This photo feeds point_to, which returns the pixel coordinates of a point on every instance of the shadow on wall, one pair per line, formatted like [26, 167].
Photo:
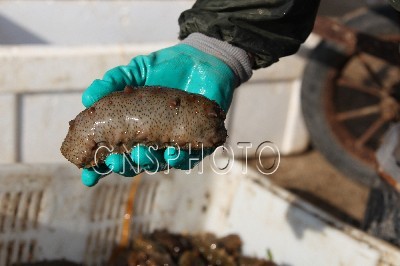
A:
[299, 223]
[12, 33]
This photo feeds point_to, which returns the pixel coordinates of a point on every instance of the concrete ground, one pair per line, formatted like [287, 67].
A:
[311, 177]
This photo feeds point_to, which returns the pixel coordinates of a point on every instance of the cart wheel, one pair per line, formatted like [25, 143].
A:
[349, 101]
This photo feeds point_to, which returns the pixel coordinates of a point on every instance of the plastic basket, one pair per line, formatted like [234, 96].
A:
[47, 214]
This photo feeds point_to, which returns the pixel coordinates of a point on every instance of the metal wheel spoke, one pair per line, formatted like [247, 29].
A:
[370, 71]
[370, 132]
[344, 82]
[357, 113]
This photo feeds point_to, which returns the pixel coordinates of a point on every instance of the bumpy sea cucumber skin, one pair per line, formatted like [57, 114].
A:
[146, 115]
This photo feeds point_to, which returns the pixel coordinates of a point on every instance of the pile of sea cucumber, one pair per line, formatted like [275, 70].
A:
[164, 248]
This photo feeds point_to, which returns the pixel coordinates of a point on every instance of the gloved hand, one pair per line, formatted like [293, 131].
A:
[199, 64]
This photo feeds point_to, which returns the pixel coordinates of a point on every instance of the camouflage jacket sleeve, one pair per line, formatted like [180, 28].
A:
[266, 29]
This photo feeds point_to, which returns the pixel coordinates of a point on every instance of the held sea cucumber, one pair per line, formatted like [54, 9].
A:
[152, 116]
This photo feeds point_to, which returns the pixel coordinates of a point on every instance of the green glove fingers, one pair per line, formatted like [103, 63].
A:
[149, 158]
[174, 157]
[113, 80]
[122, 165]
[97, 90]
[91, 176]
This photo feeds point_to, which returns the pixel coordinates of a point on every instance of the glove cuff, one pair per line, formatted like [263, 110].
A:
[236, 58]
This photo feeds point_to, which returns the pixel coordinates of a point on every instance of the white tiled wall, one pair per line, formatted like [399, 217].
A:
[41, 85]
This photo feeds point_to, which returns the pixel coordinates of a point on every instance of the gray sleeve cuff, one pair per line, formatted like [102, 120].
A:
[236, 58]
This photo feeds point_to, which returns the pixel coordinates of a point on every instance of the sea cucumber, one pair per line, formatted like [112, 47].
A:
[152, 116]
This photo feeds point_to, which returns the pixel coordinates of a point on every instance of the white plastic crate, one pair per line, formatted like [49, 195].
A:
[46, 213]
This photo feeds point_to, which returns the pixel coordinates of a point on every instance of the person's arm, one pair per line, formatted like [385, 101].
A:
[267, 29]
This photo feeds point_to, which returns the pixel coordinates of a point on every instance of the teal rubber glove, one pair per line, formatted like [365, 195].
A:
[182, 67]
